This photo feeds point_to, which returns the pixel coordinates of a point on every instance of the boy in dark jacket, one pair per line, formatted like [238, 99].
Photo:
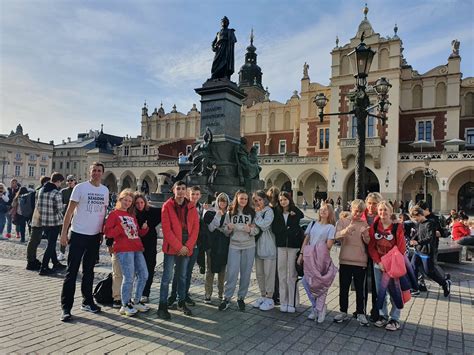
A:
[425, 243]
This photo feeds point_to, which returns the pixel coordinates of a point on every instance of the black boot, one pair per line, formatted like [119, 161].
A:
[182, 307]
[163, 311]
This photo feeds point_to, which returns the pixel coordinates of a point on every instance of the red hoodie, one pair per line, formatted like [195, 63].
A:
[123, 228]
[380, 247]
[460, 230]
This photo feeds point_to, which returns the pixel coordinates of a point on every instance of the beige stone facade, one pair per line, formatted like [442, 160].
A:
[24, 159]
[300, 153]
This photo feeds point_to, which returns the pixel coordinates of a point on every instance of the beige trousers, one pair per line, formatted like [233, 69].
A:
[265, 270]
[287, 275]
[210, 278]
[116, 278]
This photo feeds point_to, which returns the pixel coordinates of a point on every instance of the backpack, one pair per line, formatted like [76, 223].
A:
[103, 291]
[26, 203]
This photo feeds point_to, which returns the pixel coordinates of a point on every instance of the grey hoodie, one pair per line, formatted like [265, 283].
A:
[240, 239]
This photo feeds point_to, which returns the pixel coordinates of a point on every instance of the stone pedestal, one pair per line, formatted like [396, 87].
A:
[221, 101]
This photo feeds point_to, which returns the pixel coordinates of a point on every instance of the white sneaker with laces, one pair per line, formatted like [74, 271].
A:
[61, 257]
[141, 307]
[312, 315]
[267, 304]
[128, 310]
[322, 314]
[291, 309]
[283, 308]
[258, 302]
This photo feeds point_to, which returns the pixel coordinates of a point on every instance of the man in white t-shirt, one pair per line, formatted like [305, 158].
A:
[87, 208]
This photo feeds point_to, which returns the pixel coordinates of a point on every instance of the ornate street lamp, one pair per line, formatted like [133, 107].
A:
[361, 107]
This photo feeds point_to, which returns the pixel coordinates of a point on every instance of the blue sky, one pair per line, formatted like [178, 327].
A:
[69, 66]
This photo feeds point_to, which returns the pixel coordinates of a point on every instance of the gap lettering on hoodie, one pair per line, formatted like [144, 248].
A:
[240, 219]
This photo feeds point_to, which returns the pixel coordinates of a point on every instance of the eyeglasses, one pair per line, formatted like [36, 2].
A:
[379, 236]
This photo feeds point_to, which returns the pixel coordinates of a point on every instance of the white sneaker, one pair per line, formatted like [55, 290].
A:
[267, 304]
[341, 317]
[258, 302]
[141, 307]
[283, 308]
[128, 310]
[312, 315]
[144, 299]
[291, 309]
[362, 319]
[322, 314]
[61, 257]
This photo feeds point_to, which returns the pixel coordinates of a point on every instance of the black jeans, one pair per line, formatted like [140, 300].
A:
[35, 240]
[346, 274]
[50, 253]
[374, 312]
[83, 248]
[150, 258]
[429, 267]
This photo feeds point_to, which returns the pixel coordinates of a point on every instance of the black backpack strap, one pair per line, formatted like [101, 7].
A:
[222, 221]
[394, 229]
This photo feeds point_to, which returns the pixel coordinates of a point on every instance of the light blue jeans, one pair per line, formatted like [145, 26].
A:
[131, 263]
[394, 312]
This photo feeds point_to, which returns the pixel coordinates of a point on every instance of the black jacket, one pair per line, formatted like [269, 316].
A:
[426, 237]
[152, 218]
[289, 234]
[217, 243]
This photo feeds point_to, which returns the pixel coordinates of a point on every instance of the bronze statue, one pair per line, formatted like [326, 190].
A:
[201, 155]
[223, 46]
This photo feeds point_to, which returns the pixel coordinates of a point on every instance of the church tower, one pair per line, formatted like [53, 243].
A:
[250, 77]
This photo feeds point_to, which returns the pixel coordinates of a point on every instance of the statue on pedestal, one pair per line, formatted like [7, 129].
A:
[201, 156]
[223, 46]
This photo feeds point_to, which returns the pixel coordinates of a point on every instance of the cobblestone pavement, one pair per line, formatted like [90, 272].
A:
[30, 321]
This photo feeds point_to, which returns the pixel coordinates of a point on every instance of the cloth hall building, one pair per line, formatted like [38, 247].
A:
[431, 114]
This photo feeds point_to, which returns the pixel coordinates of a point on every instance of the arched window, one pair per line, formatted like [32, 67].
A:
[417, 97]
[167, 130]
[177, 128]
[287, 121]
[441, 94]
[187, 129]
[344, 69]
[258, 123]
[271, 123]
[383, 59]
[242, 123]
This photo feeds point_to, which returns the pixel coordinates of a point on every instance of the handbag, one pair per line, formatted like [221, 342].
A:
[266, 247]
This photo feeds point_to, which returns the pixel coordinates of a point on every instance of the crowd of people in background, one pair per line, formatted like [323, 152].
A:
[387, 248]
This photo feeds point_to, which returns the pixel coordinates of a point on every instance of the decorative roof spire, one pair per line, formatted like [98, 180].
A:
[366, 11]
[395, 30]
[251, 37]
[337, 41]
[101, 128]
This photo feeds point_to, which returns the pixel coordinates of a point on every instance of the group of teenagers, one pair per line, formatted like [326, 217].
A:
[227, 238]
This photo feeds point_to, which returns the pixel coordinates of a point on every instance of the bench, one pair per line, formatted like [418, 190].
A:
[449, 251]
